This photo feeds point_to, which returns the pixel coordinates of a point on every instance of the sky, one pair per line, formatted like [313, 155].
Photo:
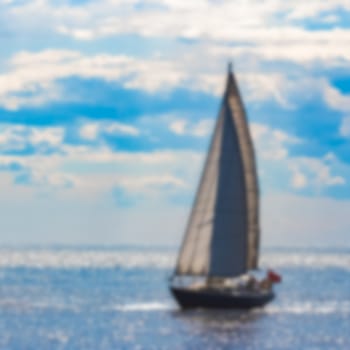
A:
[107, 107]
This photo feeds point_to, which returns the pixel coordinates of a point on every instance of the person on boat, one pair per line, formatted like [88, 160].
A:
[252, 283]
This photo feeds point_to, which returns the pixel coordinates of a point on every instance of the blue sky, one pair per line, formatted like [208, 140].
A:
[106, 110]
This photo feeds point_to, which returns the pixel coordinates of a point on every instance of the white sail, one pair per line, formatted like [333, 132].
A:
[222, 235]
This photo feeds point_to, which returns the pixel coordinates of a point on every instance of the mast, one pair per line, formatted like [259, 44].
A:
[222, 234]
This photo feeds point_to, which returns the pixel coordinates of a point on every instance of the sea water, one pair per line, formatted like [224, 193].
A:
[117, 298]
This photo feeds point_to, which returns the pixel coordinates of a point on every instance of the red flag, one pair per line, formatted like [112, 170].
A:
[274, 277]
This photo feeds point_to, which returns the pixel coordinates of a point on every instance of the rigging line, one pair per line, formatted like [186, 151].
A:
[205, 223]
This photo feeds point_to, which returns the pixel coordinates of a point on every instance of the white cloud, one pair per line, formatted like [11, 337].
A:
[302, 10]
[35, 74]
[312, 173]
[52, 136]
[18, 137]
[300, 48]
[228, 20]
[248, 31]
[315, 171]
[260, 41]
[299, 180]
[251, 22]
[106, 16]
[92, 131]
[89, 131]
[93, 169]
[184, 127]
[115, 128]
[178, 127]
[271, 144]
[330, 19]
[105, 168]
[32, 78]
[335, 99]
[262, 86]
[203, 128]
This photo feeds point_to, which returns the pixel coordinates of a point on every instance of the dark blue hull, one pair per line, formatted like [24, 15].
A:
[188, 298]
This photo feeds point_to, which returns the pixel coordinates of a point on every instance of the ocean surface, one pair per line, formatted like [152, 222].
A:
[117, 298]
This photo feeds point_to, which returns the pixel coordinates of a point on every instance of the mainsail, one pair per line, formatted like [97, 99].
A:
[222, 235]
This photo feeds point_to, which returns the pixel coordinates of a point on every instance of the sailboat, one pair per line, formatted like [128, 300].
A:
[221, 243]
